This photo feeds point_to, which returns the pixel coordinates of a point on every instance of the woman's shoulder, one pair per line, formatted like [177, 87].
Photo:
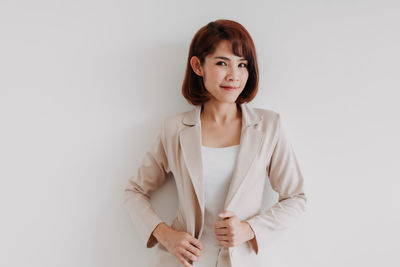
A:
[177, 117]
[175, 121]
[267, 115]
[264, 119]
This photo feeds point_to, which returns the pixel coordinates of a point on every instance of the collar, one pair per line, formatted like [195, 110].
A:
[249, 116]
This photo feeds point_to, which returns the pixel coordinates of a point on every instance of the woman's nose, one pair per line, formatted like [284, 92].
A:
[233, 74]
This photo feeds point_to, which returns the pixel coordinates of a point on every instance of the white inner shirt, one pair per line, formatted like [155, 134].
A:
[218, 166]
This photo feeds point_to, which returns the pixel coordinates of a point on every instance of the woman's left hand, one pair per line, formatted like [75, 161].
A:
[230, 231]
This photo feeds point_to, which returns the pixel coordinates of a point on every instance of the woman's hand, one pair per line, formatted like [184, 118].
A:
[231, 231]
[180, 244]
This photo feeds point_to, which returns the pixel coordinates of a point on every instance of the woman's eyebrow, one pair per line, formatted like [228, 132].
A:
[241, 59]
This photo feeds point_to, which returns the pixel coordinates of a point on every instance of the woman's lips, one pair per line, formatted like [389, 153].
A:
[229, 88]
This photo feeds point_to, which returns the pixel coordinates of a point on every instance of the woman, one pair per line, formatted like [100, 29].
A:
[220, 154]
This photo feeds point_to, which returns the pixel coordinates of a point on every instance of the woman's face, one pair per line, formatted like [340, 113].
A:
[224, 74]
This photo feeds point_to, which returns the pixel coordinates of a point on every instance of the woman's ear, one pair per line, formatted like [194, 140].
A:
[196, 65]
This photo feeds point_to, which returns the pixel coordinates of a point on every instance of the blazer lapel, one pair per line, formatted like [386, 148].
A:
[250, 144]
[190, 140]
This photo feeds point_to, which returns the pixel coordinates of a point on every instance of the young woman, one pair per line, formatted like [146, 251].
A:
[220, 154]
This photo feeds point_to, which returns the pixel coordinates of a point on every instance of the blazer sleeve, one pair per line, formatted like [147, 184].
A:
[151, 175]
[287, 180]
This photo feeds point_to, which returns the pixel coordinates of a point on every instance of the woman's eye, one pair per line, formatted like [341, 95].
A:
[222, 63]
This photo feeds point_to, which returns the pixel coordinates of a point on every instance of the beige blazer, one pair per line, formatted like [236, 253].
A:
[264, 152]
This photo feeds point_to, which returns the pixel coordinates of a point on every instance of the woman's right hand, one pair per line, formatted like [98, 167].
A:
[180, 244]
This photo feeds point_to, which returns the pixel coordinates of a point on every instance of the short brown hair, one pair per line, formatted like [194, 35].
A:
[204, 43]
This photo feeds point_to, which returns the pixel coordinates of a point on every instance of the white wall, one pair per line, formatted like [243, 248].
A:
[85, 84]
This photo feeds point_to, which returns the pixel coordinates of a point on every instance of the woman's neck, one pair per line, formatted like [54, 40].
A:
[220, 113]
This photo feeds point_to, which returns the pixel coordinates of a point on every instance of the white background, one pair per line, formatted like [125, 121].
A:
[85, 84]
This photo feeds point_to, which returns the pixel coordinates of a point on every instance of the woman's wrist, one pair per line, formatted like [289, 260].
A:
[250, 232]
[160, 230]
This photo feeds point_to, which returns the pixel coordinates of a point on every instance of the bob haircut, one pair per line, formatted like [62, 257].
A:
[204, 43]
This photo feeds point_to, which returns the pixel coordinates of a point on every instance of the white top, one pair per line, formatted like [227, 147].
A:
[218, 165]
